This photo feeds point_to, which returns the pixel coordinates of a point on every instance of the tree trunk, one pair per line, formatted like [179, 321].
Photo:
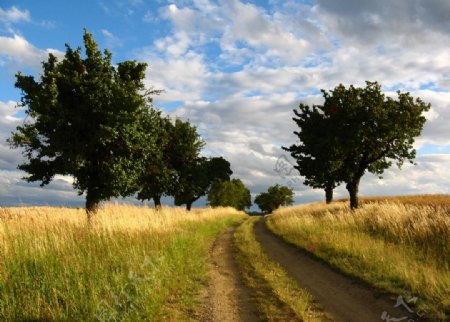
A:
[328, 194]
[189, 203]
[91, 208]
[353, 188]
[157, 201]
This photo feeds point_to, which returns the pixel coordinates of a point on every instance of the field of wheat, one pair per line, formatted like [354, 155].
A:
[402, 245]
[129, 264]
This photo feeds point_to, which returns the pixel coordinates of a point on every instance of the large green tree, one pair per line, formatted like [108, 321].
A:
[275, 197]
[229, 194]
[317, 156]
[367, 131]
[373, 130]
[89, 122]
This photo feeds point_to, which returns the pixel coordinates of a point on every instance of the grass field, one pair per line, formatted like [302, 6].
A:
[402, 245]
[130, 264]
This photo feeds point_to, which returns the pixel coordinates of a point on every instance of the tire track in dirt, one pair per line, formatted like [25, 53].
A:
[227, 299]
[346, 300]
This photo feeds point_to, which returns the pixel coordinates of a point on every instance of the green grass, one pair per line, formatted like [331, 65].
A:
[393, 247]
[277, 296]
[75, 273]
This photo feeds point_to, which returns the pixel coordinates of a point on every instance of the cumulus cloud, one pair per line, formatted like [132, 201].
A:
[373, 22]
[20, 53]
[249, 115]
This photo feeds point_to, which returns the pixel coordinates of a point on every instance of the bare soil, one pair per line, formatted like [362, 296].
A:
[227, 298]
[345, 299]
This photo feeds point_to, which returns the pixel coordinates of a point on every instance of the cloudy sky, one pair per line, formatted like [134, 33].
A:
[237, 69]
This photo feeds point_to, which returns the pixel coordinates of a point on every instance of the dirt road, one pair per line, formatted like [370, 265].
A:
[346, 300]
[228, 299]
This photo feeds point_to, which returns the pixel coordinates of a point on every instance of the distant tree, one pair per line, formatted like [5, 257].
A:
[88, 122]
[317, 156]
[229, 194]
[275, 197]
[196, 180]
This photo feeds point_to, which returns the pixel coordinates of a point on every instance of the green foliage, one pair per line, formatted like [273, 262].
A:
[275, 197]
[318, 158]
[356, 130]
[160, 175]
[196, 179]
[91, 120]
[229, 194]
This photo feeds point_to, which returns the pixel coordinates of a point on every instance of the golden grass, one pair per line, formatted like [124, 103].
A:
[136, 263]
[395, 246]
[109, 217]
[425, 200]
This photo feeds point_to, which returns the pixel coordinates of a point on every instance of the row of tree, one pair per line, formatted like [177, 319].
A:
[355, 130]
[95, 122]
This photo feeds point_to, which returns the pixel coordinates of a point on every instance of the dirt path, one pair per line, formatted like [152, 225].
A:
[345, 299]
[228, 299]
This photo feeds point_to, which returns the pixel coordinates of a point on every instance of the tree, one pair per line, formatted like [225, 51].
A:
[88, 122]
[160, 175]
[229, 194]
[316, 154]
[275, 197]
[374, 130]
[196, 180]
[368, 132]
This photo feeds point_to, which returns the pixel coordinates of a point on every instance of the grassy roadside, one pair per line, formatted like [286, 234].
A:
[401, 248]
[133, 264]
[278, 297]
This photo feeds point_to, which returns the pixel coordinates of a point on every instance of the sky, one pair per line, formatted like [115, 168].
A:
[237, 69]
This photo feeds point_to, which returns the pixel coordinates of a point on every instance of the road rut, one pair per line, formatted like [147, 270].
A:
[346, 300]
[228, 299]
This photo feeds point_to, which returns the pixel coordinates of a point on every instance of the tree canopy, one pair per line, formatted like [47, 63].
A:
[318, 158]
[364, 130]
[196, 179]
[275, 197]
[229, 194]
[160, 175]
[91, 120]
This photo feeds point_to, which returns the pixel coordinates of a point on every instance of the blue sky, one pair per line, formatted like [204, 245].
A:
[238, 68]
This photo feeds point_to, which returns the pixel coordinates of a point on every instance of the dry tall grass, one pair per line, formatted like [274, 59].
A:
[56, 267]
[392, 245]
[424, 200]
[109, 217]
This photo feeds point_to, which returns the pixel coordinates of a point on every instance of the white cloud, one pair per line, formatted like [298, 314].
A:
[13, 15]
[182, 77]
[21, 53]
[175, 45]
